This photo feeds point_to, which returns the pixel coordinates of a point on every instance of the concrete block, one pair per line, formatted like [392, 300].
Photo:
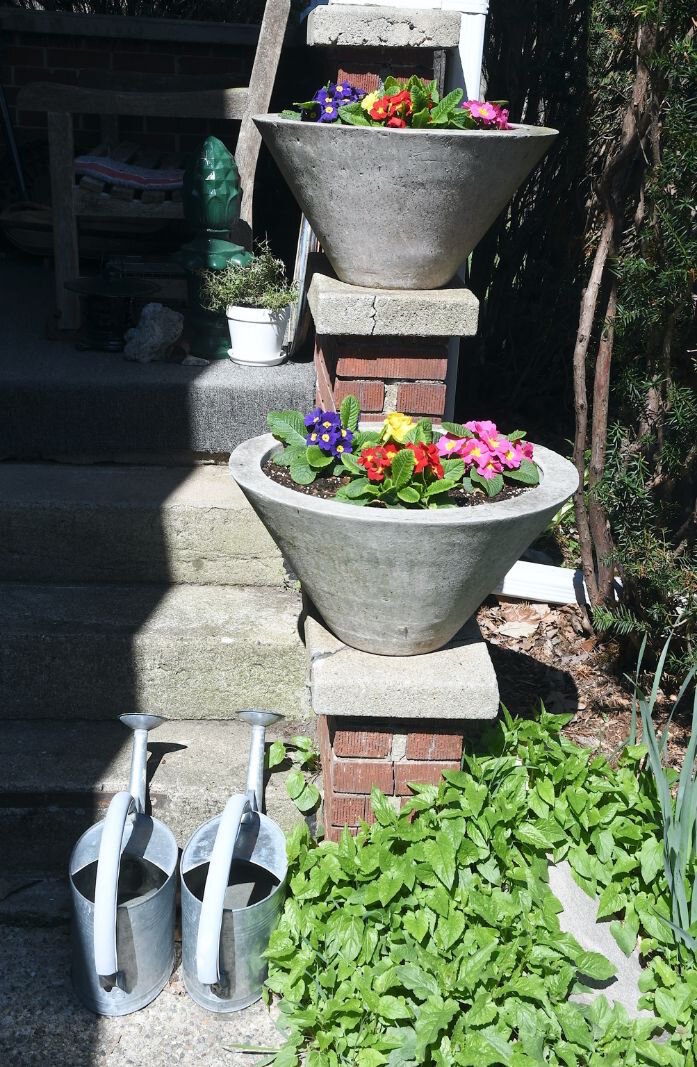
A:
[131, 524]
[339, 309]
[456, 682]
[350, 25]
[186, 652]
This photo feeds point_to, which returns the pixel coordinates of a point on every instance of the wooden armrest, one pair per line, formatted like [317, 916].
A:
[207, 103]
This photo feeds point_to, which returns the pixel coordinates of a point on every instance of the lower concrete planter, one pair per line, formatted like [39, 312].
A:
[398, 583]
[401, 209]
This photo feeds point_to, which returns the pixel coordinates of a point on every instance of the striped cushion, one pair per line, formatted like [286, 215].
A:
[128, 175]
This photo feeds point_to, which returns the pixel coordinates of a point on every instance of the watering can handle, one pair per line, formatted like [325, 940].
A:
[211, 918]
[106, 889]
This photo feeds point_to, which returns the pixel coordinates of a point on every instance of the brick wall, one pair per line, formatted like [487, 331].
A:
[358, 754]
[30, 56]
[386, 374]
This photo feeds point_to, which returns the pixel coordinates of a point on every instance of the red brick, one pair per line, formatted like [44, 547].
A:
[371, 416]
[421, 398]
[359, 776]
[422, 773]
[146, 62]
[76, 58]
[371, 744]
[427, 746]
[371, 395]
[347, 810]
[393, 367]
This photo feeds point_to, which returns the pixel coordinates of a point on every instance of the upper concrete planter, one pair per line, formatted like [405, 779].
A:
[398, 583]
[401, 209]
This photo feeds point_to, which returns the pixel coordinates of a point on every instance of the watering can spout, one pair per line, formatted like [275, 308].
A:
[258, 719]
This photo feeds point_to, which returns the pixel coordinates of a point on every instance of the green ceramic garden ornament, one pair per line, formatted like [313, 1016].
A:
[211, 199]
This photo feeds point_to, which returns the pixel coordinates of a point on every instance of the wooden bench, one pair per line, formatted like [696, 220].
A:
[144, 96]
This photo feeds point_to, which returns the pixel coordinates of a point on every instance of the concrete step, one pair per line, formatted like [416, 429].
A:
[56, 779]
[186, 651]
[59, 402]
[67, 523]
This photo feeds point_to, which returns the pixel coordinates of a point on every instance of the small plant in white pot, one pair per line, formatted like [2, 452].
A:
[256, 298]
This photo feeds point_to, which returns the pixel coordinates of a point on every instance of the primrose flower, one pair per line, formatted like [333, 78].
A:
[397, 426]
[487, 115]
[380, 109]
[375, 460]
[511, 455]
[526, 449]
[343, 441]
[482, 428]
[474, 452]
[329, 113]
[490, 469]
[450, 446]
[369, 101]
[313, 417]
[426, 457]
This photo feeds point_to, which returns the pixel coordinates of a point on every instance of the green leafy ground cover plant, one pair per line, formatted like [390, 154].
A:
[433, 937]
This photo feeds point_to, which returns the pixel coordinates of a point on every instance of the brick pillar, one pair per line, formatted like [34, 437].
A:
[358, 754]
[386, 374]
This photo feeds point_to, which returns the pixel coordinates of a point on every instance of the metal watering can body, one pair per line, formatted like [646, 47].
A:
[122, 874]
[233, 880]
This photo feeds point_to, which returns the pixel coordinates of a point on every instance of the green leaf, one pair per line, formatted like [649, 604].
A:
[285, 457]
[531, 834]
[611, 901]
[304, 795]
[409, 494]
[402, 468]
[651, 856]
[277, 754]
[360, 487]
[301, 471]
[596, 966]
[433, 1018]
[382, 809]
[393, 1008]
[456, 429]
[528, 473]
[440, 853]
[317, 458]
[351, 464]
[453, 469]
[288, 426]
[443, 485]
[491, 486]
[416, 924]
[350, 409]
[574, 1026]
[353, 115]
[441, 111]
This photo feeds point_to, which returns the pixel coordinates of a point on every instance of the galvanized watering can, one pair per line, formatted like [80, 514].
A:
[233, 874]
[122, 885]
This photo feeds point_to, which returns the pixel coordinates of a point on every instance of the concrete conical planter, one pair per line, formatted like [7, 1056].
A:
[401, 209]
[398, 583]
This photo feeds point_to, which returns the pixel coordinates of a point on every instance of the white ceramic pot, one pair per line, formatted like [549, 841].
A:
[256, 335]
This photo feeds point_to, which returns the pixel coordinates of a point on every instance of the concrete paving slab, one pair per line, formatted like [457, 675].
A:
[340, 309]
[65, 523]
[41, 1022]
[382, 27]
[186, 652]
[579, 918]
[456, 682]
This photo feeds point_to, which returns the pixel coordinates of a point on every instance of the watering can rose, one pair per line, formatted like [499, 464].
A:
[403, 462]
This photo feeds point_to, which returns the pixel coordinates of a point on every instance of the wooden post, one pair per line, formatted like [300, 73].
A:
[66, 260]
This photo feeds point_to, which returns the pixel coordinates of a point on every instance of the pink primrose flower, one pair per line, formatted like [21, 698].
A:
[482, 428]
[481, 111]
[475, 452]
[511, 455]
[450, 446]
[526, 449]
[490, 468]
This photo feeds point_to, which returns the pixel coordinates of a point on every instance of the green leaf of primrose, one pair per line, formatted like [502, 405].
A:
[285, 457]
[453, 469]
[402, 468]
[317, 458]
[491, 486]
[448, 103]
[392, 85]
[443, 485]
[528, 473]
[301, 471]
[456, 429]
[287, 426]
[354, 115]
[288, 113]
[351, 464]
[409, 494]
[358, 488]
[350, 410]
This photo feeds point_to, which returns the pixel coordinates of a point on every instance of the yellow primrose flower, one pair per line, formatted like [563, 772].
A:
[396, 427]
[368, 101]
